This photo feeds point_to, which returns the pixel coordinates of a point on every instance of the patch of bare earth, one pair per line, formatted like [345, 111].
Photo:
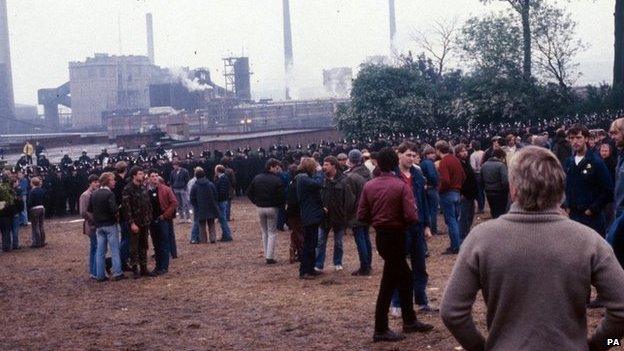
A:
[215, 297]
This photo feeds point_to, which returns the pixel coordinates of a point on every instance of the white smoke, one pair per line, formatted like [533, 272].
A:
[181, 74]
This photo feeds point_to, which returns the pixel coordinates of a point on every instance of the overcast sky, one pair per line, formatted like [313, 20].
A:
[47, 34]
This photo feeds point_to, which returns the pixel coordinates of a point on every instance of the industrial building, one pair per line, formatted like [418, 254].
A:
[104, 83]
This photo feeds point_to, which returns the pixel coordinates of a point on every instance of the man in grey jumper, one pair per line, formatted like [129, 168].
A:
[535, 268]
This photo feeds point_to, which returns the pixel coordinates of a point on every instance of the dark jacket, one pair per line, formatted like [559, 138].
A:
[588, 184]
[310, 202]
[179, 179]
[36, 197]
[387, 204]
[357, 178]
[223, 187]
[338, 198]
[204, 200]
[470, 188]
[136, 204]
[103, 207]
[494, 176]
[266, 190]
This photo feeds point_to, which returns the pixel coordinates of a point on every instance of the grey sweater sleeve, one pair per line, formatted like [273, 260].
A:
[459, 296]
[608, 278]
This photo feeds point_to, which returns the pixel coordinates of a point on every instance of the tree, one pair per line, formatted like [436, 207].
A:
[554, 38]
[439, 42]
[493, 44]
[523, 8]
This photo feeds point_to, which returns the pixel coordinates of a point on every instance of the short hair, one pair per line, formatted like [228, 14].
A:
[35, 182]
[153, 170]
[200, 173]
[443, 146]
[308, 165]
[428, 150]
[333, 161]
[387, 159]
[106, 178]
[177, 162]
[499, 153]
[220, 169]
[135, 170]
[270, 163]
[121, 166]
[407, 145]
[537, 176]
[578, 128]
[459, 148]
[93, 178]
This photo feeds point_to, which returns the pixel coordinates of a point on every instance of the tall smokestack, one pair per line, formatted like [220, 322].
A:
[392, 24]
[288, 49]
[150, 37]
[7, 102]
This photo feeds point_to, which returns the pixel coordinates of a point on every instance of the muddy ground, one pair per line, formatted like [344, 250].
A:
[215, 297]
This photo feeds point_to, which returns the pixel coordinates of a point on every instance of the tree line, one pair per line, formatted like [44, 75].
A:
[514, 65]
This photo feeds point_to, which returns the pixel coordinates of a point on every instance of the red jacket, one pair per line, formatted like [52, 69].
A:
[387, 204]
[452, 174]
[168, 201]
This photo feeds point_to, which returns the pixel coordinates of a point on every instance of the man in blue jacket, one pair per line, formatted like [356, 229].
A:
[417, 233]
[589, 187]
[431, 186]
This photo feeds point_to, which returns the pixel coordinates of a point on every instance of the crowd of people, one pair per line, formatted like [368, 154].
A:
[532, 177]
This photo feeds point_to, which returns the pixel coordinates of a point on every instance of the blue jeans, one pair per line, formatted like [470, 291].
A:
[107, 236]
[228, 213]
[195, 231]
[23, 215]
[226, 233]
[466, 217]
[416, 249]
[321, 246]
[450, 206]
[124, 244]
[364, 247]
[159, 231]
[92, 255]
[433, 199]
[15, 228]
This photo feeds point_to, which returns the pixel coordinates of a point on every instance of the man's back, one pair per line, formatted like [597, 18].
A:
[535, 272]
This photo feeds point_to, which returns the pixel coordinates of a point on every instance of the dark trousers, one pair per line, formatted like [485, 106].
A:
[173, 247]
[396, 275]
[417, 251]
[5, 228]
[36, 222]
[596, 222]
[310, 239]
[124, 243]
[138, 247]
[159, 231]
[498, 203]
[296, 238]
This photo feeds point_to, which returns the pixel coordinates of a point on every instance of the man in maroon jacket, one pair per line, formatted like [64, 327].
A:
[387, 203]
[452, 177]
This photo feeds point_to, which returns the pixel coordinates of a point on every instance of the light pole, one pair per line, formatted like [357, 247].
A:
[246, 124]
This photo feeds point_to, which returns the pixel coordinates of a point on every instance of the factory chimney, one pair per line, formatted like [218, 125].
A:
[288, 49]
[150, 37]
[392, 24]
[7, 102]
